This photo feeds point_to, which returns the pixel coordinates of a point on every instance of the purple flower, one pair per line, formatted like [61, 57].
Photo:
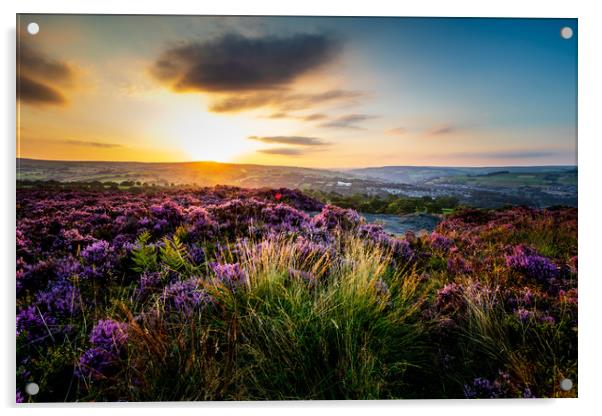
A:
[36, 325]
[528, 262]
[527, 394]
[97, 253]
[148, 282]
[309, 250]
[19, 397]
[230, 275]
[61, 297]
[196, 254]
[440, 242]
[524, 315]
[201, 223]
[333, 217]
[97, 363]
[109, 334]
[186, 297]
[482, 388]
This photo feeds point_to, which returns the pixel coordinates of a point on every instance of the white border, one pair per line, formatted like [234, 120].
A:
[590, 206]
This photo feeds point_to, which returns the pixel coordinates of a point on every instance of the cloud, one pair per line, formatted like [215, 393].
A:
[348, 122]
[34, 92]
[508, 154]
[39, 77]
[235, 63]
[315, 117]
[308, 117]
[397, 131]
[93, 144]
[283, 100]
[284, 151]
[291, 140]
[279, 115]
[442, 130]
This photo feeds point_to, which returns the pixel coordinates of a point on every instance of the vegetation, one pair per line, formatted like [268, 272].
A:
[232, 294]
[390, 204]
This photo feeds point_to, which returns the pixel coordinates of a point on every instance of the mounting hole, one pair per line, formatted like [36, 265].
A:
[566, 32]
[33, 28]
[32, 389]
[566, 384]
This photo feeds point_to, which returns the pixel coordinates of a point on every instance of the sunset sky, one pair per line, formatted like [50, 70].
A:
[301, 91]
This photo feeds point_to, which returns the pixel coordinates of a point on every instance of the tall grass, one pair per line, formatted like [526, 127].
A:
[286, 338]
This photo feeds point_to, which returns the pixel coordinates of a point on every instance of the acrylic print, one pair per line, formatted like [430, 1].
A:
[295, 208]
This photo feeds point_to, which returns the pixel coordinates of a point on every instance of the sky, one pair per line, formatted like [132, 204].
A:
[301, 91]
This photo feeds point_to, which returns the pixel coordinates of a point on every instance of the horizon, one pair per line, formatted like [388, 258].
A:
[303, 167]
[306, 92]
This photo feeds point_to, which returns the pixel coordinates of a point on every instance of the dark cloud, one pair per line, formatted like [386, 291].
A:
[93, 144]
[34, 92]
[442, 130]
[284, 151]
[292, 140]
[348, 122]
[33, 61]
[283, 100]
[39, 77]
[234, 63]
[398, 131]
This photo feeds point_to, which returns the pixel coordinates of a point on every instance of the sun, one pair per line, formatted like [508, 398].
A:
[207, 137]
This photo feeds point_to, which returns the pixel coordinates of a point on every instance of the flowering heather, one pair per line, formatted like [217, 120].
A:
[440, 242]
[61, 297]
[97, 363]
[186, 297]
[230, 275]
[109, 334]
[97, 253]
[482, 388]
[333, 217]
[245, 295]
[527, 261]
[37, 325]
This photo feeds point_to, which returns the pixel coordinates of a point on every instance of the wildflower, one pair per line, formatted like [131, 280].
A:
[527, 261]
[482, 388]
[61, 297]
[19, 397]
[97, 363]
[440, 242]
[97, 253]
[186, 297]
[523, 314]
[35, 324]
[230, 275]
[148, 282]
[109, 334]
[333, 217]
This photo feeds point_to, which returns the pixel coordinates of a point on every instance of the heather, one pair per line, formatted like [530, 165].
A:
[267, 294]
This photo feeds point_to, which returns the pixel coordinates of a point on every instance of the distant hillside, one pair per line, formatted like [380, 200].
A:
[189, 173]
[538, 186]
[420, 174]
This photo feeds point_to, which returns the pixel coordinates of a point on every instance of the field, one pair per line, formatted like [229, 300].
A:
[240, 294]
